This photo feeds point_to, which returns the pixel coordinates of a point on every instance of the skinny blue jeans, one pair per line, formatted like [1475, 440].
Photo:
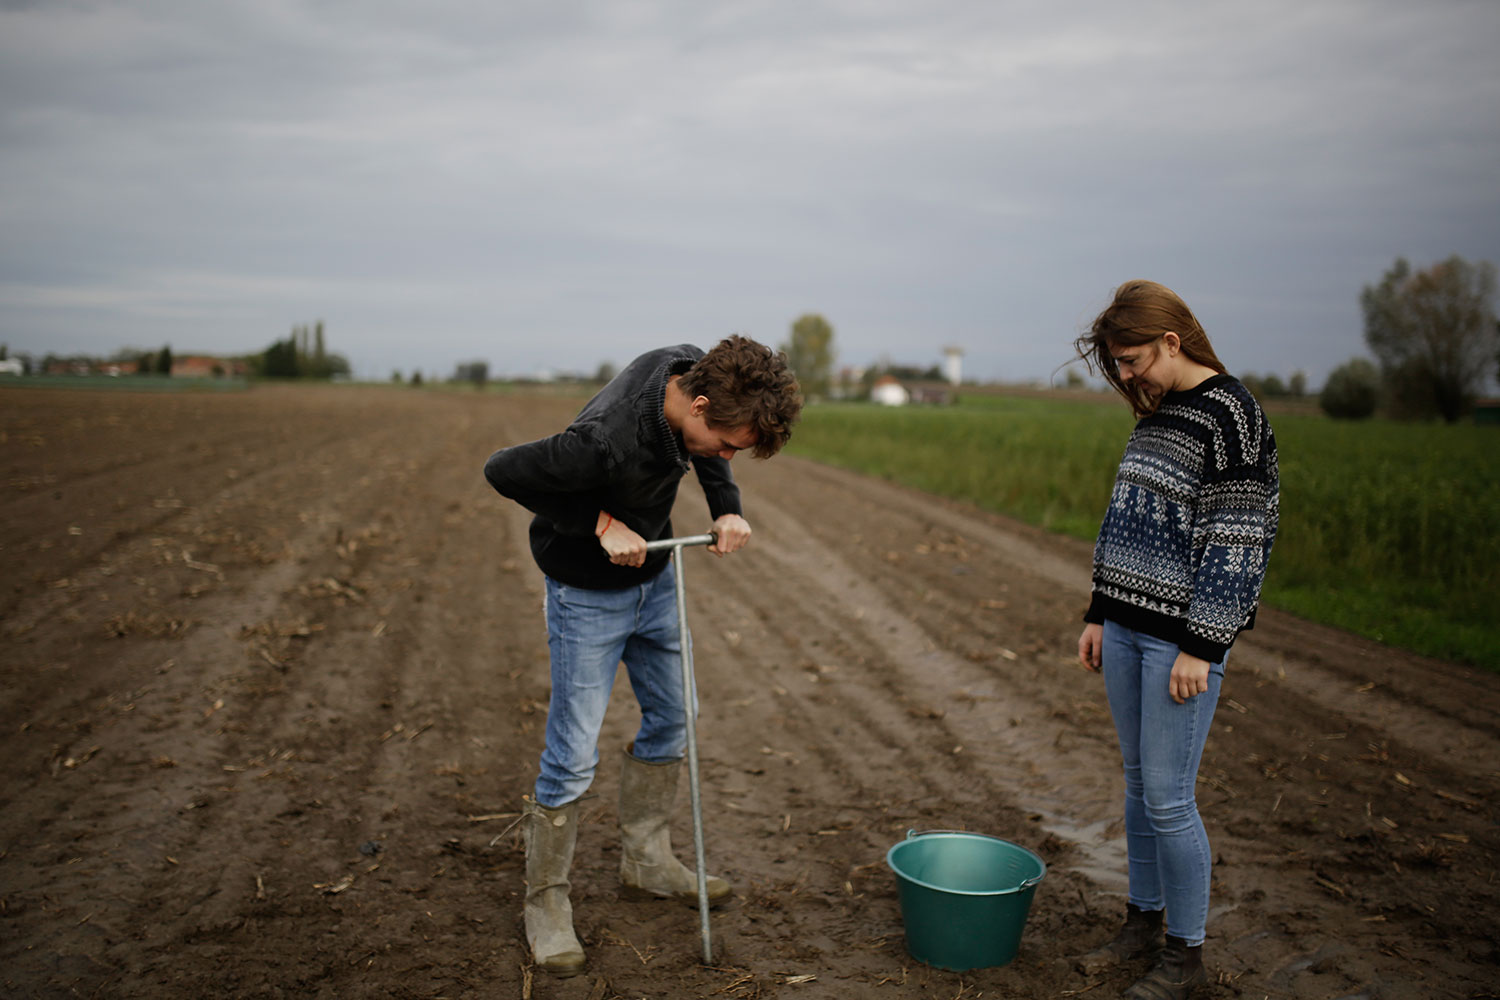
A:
[1162, 744]
[589, 632]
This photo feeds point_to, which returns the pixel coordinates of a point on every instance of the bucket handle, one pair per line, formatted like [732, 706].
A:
[1025, 883]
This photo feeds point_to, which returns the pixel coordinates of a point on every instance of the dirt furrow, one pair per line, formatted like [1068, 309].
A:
[271, 739]
[1242, 754]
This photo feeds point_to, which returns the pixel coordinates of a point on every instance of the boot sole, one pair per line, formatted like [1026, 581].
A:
[564, 971]
[1101, 961]
[634, 894]
[1154, 987]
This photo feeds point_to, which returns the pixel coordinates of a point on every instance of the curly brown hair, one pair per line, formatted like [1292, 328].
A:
[747, 385]
[1142, 312]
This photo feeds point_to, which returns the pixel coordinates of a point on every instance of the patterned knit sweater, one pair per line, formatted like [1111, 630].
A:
[1183, 548]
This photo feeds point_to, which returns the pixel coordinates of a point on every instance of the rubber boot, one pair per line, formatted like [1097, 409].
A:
[1139, 937]
[647, 865]
[1178, 972]
[550, 837]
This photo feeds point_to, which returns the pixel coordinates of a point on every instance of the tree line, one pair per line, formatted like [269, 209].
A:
[1435, 339]
[1432, 330]
[304, 354]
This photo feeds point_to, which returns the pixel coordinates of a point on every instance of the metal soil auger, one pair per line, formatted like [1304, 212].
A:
[688, 699]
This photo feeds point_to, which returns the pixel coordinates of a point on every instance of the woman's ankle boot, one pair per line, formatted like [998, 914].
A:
[1179, 971]
[1139, 937]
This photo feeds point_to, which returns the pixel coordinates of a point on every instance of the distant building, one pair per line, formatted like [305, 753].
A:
[932, 392]
[846, 383]
[207, 366]
[888, 391]
[12, 366]
[953, 364]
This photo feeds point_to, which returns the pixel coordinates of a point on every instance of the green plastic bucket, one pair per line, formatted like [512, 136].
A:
[964, 896]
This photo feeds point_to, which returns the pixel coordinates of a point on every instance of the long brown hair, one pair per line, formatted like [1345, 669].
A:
[1142, 313]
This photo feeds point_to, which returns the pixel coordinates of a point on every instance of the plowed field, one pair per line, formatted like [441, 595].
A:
[275, 676]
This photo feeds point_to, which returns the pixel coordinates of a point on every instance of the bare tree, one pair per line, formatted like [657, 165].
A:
[1434, 332]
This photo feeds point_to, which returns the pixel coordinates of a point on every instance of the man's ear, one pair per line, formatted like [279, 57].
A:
[699, 406]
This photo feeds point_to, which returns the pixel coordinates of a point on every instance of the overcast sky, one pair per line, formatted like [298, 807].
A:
[552, 185]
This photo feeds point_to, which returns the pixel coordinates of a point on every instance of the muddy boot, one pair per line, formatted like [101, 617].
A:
[550, 836]
[647, 865]
[1179, 971]
[1140, 937]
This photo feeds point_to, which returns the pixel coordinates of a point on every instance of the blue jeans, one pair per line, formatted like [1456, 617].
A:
[1161, 743]
[589, 632]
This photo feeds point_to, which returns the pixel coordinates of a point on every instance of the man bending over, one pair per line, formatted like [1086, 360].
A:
[600, 490]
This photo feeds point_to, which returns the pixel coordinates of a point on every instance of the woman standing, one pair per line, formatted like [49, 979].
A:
[1178, 567]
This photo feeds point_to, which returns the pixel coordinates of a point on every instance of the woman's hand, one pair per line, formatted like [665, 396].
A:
[1091, 647]
[1189, 677]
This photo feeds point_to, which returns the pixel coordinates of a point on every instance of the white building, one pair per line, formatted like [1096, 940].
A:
[888, 392]
[953, 365]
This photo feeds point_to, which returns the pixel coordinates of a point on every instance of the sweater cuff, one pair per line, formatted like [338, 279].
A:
[1204, 649]
[576, 519]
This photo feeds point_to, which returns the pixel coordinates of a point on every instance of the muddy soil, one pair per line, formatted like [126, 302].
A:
[275, 676]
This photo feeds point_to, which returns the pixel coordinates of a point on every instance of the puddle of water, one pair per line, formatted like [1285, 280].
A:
[1102, 857]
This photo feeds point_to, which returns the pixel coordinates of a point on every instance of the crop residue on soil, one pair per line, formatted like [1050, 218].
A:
[275, 682]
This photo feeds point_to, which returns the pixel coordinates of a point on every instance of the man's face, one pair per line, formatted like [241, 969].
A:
[708, 442]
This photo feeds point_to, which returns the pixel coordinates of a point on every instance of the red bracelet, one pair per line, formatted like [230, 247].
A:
[608, 520]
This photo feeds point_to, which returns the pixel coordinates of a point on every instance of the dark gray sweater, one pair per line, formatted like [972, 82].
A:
[620, 456]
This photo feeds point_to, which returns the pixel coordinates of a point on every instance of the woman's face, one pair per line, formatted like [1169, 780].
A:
[1148, 365]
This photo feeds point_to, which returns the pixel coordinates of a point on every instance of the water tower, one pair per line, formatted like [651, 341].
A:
[953, 364]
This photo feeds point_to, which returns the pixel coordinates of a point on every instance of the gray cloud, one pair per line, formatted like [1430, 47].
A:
[552, 186]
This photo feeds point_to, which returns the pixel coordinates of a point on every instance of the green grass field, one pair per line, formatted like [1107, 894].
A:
[1390, 530]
